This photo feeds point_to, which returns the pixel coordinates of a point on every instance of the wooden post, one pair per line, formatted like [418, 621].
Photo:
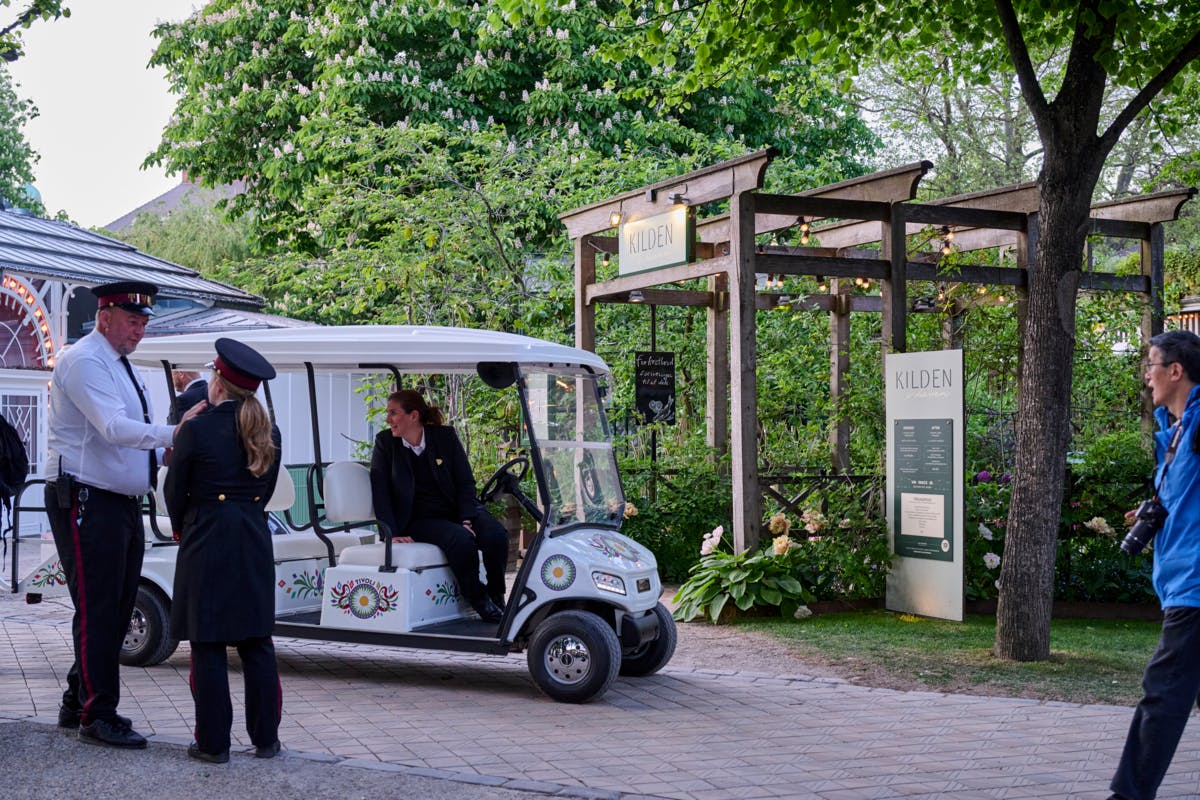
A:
[585, 276]
[1152, 266]
[1153, 313]
[717, 405]
[839, 369]
[747, 502]
[894, 288]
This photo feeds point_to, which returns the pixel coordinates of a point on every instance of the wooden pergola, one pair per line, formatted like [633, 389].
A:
[877, 208]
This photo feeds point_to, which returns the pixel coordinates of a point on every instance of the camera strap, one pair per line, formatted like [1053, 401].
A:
[1169, 456]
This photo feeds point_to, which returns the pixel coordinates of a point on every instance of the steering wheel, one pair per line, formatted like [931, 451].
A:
[505, 479]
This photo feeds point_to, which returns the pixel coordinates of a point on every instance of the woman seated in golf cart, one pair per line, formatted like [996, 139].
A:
[424, 491]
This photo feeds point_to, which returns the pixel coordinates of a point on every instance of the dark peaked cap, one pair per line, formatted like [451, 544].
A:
[134, 296]
[241, 364]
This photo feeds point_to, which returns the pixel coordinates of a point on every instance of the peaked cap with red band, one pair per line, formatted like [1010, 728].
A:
[241, 365]
[134, 296]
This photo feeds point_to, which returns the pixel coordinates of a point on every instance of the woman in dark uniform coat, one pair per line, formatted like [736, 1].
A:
[222, 474]
[423, 490]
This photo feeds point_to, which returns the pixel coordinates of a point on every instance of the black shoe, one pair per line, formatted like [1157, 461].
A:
[267, 751]
[69, 718]
[488, 611]
[195, 752]
[111, 734]
[496, 595]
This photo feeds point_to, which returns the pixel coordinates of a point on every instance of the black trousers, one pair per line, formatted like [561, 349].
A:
[461, 547]
[210, 692]
[1171, 685]
[101, 543]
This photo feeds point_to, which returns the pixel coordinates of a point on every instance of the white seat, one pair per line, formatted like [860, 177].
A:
[347, 492]
[406, 555]
[282, 498]
[306, 545]
[160, 497]
[347, 496]
[284, 495]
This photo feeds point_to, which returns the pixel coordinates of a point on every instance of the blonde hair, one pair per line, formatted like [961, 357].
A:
[254, 426]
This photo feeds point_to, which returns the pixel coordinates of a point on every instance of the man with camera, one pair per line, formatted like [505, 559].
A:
[1171, 682]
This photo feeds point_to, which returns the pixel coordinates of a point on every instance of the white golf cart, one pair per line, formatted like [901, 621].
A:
[584, 603]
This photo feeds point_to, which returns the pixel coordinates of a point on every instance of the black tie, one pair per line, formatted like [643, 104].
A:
[146, 418]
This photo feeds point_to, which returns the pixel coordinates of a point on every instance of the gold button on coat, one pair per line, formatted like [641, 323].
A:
[220, 497]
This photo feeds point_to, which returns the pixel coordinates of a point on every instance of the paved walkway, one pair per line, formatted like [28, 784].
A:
[692, 734]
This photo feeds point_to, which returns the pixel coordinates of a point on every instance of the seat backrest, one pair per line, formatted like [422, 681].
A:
[283, 496]
[347, 492]
[160, 496]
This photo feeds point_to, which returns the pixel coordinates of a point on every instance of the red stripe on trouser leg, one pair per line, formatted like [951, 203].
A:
[81, 607]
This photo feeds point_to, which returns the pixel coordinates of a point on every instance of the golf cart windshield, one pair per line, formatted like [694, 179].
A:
[571, 435]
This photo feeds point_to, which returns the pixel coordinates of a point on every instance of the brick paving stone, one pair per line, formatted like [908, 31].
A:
[687, 733]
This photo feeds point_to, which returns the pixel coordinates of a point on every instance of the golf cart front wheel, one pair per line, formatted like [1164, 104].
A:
[148, 639]
[574, 656]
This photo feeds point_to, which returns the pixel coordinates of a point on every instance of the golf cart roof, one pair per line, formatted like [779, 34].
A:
[346, 348]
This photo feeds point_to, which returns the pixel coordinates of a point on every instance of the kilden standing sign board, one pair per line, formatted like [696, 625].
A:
[925, 482]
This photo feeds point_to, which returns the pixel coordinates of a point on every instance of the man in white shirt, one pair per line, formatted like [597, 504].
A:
[102, 460]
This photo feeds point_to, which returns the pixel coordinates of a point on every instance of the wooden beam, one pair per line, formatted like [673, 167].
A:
[799, 205]
[701, 186]
[886, 186]
[657, 277]
[1019, 198]
[1107, 282]
[1119, 228]
[931, 214]
[658, 297]
[835, 267]
[1149, 208]
[992, 276]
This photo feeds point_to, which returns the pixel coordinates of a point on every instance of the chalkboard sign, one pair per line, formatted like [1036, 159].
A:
[654, 386]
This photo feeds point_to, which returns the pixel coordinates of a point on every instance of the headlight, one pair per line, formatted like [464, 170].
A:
[608, 583]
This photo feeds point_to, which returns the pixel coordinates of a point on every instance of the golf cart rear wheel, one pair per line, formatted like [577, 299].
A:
[652, 656]
[574, 656]
[148, 639]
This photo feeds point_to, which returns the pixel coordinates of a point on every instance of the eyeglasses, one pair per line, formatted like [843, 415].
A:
[1150, 364]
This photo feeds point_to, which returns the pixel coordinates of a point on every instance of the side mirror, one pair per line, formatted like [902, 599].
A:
[497, 374]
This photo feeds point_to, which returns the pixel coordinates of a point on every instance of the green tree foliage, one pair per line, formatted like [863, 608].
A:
[16, 156]
[1147, 48]
[292, 96]
[197, 235]
[15, 20]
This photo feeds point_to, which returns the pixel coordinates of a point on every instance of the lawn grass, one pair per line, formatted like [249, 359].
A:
[1092, 661]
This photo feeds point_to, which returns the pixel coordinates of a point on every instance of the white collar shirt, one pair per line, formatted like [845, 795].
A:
[418, 448]
[96, 429]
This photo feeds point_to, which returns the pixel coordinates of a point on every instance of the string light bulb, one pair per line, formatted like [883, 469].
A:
[614, 219]
[803, 231]
[947, 237]
[606, 260]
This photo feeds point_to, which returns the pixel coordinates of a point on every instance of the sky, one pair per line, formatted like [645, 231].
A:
[102, 110]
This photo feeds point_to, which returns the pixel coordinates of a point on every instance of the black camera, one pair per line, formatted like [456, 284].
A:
[1150, 517]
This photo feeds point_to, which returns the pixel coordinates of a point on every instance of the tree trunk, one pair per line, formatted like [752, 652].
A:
[1069, 175]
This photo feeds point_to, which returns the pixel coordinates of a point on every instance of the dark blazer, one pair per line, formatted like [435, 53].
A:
[392, 478]
[225, 572]
[194, 393]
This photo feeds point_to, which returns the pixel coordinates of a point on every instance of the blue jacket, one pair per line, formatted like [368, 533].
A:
[1177, 545]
